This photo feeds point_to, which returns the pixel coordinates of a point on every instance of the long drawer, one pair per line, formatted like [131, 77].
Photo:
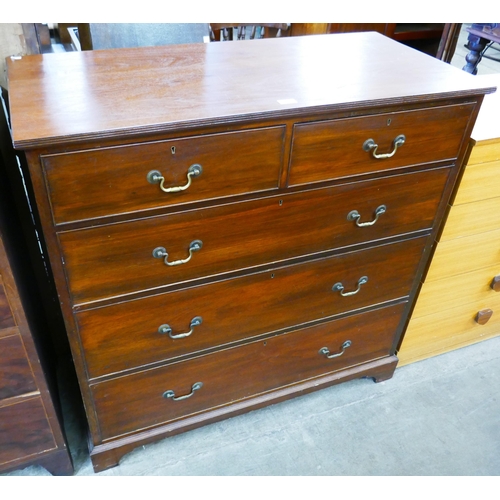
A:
[138, 401]
[472, 218]
[106, 181]
[333, 149]
[128, 335]
[119, 258]
[16, 376]
[450, 329]
[457, 291]
[462, 255]
[24, 430]
[6, 318]
[479, 182]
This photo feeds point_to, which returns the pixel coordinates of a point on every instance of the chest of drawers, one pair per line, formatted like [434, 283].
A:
[459, 301]
[221, 243]
[31, 430]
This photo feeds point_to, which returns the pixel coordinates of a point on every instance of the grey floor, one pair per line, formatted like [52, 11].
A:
[438, 417]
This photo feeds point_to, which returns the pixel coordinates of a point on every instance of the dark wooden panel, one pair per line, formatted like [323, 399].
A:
[6, 318]
[113, 180]
[234, 374]
[15, 373]
[24, 431]
[334, 149]
[118, 258]
[126, 335]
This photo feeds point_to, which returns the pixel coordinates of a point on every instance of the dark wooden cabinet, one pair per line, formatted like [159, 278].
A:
[288, 261]
[30, 416]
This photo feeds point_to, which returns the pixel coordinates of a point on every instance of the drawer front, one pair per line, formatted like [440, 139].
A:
[6, 318]
[15, 373]
[136, 401]
[472, 218]
[246, 234]
[459, 290]
[127, 335]
[463, 255]
[334, 149]
[24, 430]
[479, 182]
[447, 330]
[107, 181]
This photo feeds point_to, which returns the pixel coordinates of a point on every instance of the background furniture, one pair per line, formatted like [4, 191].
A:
[225, 31]
[481, 37]
[460, 290]
[436, 39]
[94, 36]
[220, 245]
[30, 415]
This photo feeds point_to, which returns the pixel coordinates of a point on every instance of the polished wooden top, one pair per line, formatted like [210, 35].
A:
[76, 96]
[487, 125]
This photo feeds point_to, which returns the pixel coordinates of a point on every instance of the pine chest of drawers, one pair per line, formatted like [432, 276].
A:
[234, 224]
[459, 302]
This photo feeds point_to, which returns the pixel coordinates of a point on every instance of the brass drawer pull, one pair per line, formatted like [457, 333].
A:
[161, 253]
[171, 394]
[371, 145]
[339, 287]
[167, 329]
[155, 177]
[325, 351]
[354, 215]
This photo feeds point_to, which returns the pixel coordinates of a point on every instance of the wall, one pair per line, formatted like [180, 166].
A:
[12, 43]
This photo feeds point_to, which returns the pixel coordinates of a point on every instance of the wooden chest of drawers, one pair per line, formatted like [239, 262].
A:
[459, 301]
[286, 256]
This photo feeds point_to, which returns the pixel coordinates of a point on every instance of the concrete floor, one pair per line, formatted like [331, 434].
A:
[438, 417]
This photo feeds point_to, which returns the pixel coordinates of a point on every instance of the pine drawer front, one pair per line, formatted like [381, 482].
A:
[463, 255]
[334, 149]
[234, 374]
[107, 181]
[447, 330]
[460, 290]
[24, 430]
[243, 235]
[126, 335]
[479, 182]
[16, 377]
[472, 218]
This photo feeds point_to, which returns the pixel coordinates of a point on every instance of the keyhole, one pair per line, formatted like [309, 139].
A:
[272, 275]
[280, 203]
[389, 122]
[173, 150]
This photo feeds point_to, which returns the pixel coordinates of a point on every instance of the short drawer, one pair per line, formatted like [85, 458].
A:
[447, 330]
[334, 149]
[6, 318]
[107, 181]
[243, 235]
[459, 290]
[16, 377]
[463, 255]
[24, 430]
[139, 401]
[128, 335]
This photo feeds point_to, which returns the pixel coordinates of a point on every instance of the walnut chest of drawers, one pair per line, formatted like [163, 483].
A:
[459, 303]
[234, 224]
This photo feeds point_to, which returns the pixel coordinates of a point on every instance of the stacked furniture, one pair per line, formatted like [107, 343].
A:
[223, 243]
[459, 303]
[30, 415]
